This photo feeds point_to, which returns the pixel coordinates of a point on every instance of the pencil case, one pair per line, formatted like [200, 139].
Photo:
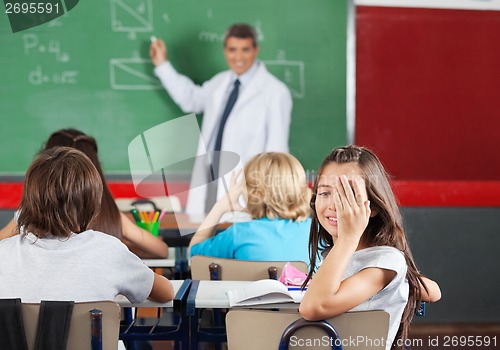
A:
[290, 276]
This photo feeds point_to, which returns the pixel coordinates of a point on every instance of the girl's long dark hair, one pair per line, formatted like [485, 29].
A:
[384, 229]
[108, 220]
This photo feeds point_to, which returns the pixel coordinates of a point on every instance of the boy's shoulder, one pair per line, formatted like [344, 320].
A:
[98, 237]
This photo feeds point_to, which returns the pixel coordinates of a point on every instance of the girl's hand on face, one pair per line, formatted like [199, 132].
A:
[352, 206]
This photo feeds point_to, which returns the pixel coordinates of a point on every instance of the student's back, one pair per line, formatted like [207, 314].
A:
[78, 268]
[277, 200]
[260, 239]
[56, 255]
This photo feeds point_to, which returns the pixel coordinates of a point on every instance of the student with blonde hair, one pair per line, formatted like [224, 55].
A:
[277, 198]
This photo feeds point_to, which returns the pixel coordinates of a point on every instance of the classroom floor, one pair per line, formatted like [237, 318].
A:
[481, 336]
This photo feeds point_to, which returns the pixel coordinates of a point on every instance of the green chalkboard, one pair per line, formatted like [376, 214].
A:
[90, 69]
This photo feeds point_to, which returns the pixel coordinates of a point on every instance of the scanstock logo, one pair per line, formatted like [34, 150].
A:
[25, 14]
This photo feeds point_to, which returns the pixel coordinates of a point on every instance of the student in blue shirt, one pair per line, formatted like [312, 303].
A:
[277, 199]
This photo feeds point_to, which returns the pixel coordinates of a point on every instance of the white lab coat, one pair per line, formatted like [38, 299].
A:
[259, 121]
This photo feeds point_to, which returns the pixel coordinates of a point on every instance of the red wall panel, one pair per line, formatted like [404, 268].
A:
[427, 91]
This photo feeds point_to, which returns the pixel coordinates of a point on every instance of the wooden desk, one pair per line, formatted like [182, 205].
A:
[173, 224]
[171, 227]
[178, 229]
[168, 262]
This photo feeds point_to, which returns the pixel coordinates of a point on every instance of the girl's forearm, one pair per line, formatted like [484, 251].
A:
[326, 282]
[208, 225]
[9, 230]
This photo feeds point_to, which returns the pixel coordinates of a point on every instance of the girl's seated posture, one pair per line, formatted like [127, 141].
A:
[358, 227]
[277, 199]
[109, 220]
[56, 256]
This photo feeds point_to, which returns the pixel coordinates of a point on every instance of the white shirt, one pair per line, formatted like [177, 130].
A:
[259, 121]
[244, 80]
[88, 266]
[394, 296]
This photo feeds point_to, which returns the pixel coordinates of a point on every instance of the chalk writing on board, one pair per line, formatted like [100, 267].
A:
[39, 77]
[211, 37]
[132, 74]
[132, 16]
[291, 73]
[32, 45]
[259, 31]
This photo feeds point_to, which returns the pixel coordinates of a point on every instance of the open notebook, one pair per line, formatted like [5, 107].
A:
[264, 292]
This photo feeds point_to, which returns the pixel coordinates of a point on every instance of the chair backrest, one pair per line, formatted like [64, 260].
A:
[357, 330]
[79, 337]
[238, 270]
[171, 203]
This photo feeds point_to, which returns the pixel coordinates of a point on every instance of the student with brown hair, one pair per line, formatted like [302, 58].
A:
[57, 256]
[358, 228]
[109, 220]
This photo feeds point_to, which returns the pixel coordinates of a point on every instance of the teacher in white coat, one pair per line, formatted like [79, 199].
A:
[246, 110]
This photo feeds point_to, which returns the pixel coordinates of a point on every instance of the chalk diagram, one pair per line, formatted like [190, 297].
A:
[132, 16]
[131, 74]
[291, 73]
